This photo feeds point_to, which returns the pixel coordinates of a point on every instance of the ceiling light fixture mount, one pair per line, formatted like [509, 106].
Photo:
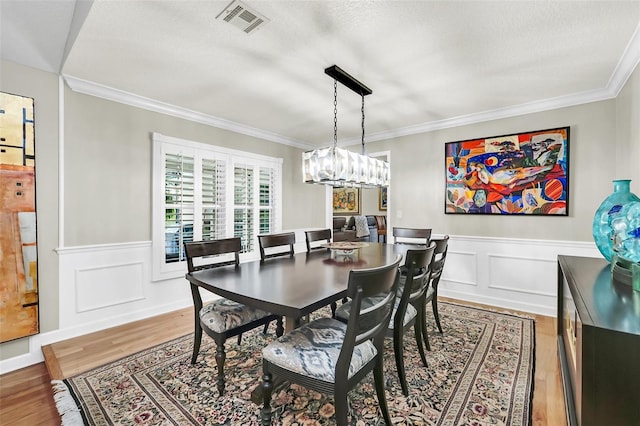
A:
[337, 166]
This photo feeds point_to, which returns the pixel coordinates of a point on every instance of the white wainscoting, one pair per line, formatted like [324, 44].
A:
[509, 273]
[107, 285]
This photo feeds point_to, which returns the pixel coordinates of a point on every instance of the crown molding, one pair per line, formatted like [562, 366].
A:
[625, 67]
[109, 93]
[496, 114]
[628, 62]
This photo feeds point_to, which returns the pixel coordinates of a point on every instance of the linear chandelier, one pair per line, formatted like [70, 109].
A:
[337, 166]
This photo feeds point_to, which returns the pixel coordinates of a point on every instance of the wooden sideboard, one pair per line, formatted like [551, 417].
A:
[598, 344]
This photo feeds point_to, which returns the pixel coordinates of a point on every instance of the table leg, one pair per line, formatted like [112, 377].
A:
[291, 323]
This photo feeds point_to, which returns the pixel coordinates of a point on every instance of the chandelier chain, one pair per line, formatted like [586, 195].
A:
[362, 124]
[335, 112]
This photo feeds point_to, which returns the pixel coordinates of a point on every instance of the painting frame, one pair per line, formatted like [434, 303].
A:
[522, 174]
[20, 312]
[382, 198]
[346, 200]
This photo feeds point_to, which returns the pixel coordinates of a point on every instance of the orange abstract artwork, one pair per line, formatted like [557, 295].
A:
[19, 260]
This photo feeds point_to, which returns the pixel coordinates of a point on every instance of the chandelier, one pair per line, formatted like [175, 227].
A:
[337, 166]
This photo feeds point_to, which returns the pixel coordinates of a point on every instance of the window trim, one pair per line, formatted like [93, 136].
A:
[161, 144]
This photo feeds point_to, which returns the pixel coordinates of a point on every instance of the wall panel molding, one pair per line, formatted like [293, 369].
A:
[104, 286]
[522, 274]
[509, 273]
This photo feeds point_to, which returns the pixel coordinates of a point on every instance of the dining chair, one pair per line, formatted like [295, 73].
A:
[276, 240]
[268, 241]
[411, 235]
[407, 307]
[320, 235]
[329, 356]
[437, 265]
[221, 318]
[317, 235]
[381, 224]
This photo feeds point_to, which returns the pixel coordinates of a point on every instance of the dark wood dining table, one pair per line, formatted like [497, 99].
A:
[294, 286]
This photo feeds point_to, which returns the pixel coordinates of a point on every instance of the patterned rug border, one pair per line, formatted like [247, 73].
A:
[494, 309]
[523, 315]
[68, 403]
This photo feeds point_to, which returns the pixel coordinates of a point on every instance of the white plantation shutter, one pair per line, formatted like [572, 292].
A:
[267, 197]
[205, 192]
[179, 205]
[213, 199]
[243, 223]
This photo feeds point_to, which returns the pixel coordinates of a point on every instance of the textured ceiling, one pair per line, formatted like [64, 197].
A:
[428, 63]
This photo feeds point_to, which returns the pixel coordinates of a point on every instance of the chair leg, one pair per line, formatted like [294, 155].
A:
[266, 327]
[417, 328]
[425, 333]
[197, 338]
[265, 411]
[436, 315]
[334, 306]
[378, 377]
[279, 327]
[220, 357]
[342, 406]
[399, 355]
[239, 339]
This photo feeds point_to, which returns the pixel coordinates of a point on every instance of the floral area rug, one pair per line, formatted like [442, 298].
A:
[480, 373]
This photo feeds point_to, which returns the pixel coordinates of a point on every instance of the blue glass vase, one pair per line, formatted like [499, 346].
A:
[609, 210]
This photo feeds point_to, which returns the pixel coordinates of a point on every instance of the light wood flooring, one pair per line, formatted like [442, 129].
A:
[26, 396]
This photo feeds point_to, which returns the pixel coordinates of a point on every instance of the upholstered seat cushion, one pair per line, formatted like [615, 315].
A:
[429, 292]
[313, 349]
[344, 310]
[224, 314]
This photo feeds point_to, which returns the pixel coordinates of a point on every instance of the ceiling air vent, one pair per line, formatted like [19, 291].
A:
[243, 17]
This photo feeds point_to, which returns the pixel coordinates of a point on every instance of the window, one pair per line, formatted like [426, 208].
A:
[204, 192]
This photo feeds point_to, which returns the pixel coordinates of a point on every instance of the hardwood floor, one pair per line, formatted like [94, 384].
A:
[26, 396]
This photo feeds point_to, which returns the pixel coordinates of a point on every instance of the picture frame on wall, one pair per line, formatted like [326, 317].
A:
[19, 315]
[382, 198]
[346, 201]
[515, 174]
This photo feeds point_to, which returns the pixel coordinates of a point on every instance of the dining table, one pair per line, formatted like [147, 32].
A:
[294, 286]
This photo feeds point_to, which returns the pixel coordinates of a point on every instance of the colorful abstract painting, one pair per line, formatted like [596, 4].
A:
[519, 174]
[18, 248]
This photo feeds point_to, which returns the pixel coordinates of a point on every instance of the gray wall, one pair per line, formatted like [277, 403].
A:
[108, 172]
[628, 132]
[419, 159]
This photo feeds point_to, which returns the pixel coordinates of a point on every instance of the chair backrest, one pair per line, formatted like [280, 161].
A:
[319, 235]
[379, 285]
[211, 249]
[339, 222]
[381, 223]
[413, 235]
[439, 257]
[276, 240]
[417, 263]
